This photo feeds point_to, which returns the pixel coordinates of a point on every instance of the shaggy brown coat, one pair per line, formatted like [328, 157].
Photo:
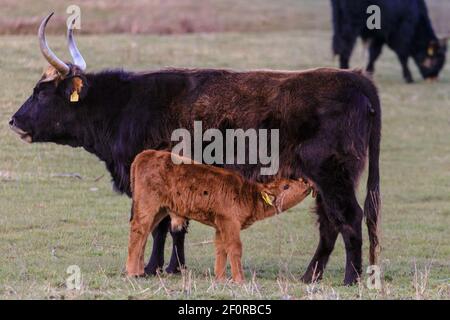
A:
[214, 196]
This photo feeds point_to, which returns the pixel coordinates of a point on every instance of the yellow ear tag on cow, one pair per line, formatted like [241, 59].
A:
[266, 198]
[74, 97]
[430, 51]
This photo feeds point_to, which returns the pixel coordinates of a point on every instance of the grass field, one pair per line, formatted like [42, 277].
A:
[50, 219]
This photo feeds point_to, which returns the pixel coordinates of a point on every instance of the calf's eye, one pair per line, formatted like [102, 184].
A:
[286, 187]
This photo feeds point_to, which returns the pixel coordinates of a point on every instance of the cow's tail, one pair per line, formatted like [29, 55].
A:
[373, 201]
[337, 22]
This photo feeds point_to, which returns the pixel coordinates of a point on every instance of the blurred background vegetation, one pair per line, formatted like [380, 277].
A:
[184, 16]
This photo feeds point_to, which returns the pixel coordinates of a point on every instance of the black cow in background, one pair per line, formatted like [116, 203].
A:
[405, 27]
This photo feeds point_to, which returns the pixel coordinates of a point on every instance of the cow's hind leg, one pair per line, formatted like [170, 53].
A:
[156, 261]
[338, 211]
[352, 235]
[343, 211]
[328, 236]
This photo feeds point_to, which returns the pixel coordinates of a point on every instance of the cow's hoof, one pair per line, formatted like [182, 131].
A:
[306, 278]
[351, 281]
[309, 277]
[369, 74]
[152, 270]
[174, 270]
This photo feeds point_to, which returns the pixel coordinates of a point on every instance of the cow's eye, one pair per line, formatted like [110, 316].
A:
[286, 187]
[40, 96]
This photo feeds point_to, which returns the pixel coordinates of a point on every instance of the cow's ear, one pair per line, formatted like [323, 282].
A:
[75, 88]
[431, 50]
[443, 43]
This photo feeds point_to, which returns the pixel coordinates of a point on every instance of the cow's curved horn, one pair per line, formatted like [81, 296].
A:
[59, 65]
[74, 52]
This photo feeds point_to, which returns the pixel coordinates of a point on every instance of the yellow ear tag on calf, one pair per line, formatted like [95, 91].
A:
[266, 198]
[74, 97]
[430, 51]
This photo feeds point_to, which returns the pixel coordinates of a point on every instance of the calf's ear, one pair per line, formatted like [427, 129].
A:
[268, 198]
[75, 88]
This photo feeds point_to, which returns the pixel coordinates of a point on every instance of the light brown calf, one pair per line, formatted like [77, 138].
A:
[210, 195]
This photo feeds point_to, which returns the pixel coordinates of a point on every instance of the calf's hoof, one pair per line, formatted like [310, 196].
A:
[135, 274]
[220, 279]
[239, 281]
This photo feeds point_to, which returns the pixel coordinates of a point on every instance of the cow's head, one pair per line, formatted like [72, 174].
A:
[432, 59]
[49, 113]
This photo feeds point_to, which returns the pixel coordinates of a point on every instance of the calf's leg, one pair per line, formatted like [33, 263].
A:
[134, 249]
[145, 219]
[231, 237]
[162, 213]
[221, 258]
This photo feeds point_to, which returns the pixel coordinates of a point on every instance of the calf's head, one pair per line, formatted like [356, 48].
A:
[285, 193]
[432, 59]
[49, 114]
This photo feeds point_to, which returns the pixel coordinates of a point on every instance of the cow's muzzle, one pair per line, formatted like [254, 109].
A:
[25, 136]
[431, 79]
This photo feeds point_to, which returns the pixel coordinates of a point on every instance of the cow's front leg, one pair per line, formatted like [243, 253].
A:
[156, 261]
[177, 260]
[405, 69]
[348, 41]
[375, 48]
